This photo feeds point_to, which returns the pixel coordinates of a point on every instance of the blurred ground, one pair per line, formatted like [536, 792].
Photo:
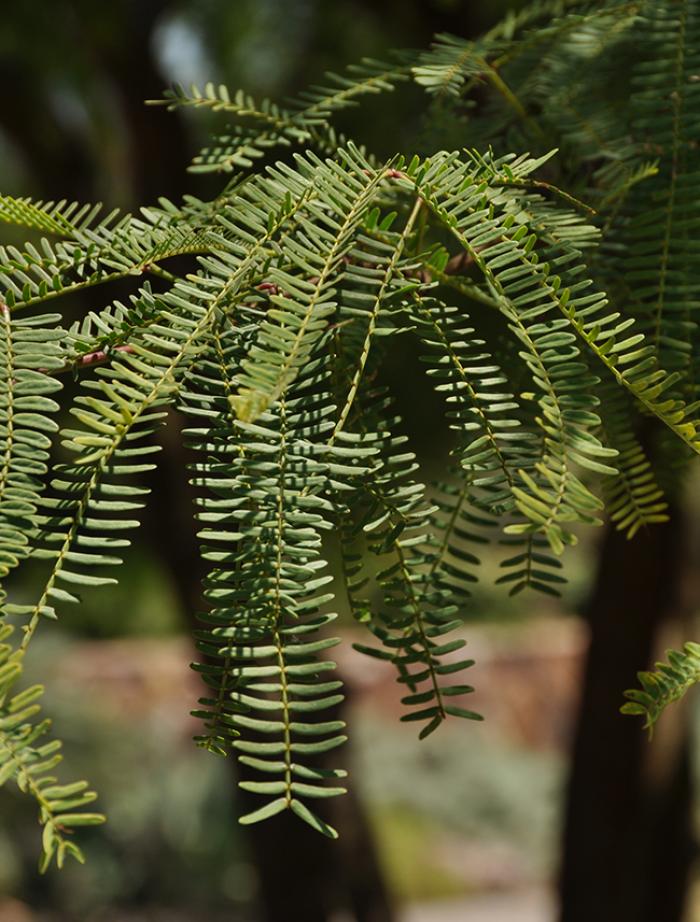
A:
[531, 905]
[526, 906]
[466, 823]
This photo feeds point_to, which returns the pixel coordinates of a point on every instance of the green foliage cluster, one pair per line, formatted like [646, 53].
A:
[666, 684]
[553, 299]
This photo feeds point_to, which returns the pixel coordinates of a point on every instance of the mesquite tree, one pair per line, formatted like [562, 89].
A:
[552, 297]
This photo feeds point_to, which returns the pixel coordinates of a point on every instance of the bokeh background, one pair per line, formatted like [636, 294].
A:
[470, 826]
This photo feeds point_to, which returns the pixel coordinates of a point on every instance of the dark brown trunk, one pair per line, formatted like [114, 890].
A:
[305, 876]
[627, 838]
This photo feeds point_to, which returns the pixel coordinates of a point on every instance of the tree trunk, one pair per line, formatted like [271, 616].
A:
[303, 875]
[627, 838]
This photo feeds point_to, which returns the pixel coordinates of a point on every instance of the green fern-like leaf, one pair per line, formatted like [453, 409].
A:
[29, 760]
[669, 682]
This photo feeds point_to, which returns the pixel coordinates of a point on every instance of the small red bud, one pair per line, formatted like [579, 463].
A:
[98, 356]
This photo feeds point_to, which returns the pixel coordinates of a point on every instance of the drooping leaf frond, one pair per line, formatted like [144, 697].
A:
[263, 516]
[392, 518]
[27, 759]
[63, 219]
[661, 258]
[302, 122]
[30, 350]
[634, 499]
[90, 256]
[301, 307]
[669, 682]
